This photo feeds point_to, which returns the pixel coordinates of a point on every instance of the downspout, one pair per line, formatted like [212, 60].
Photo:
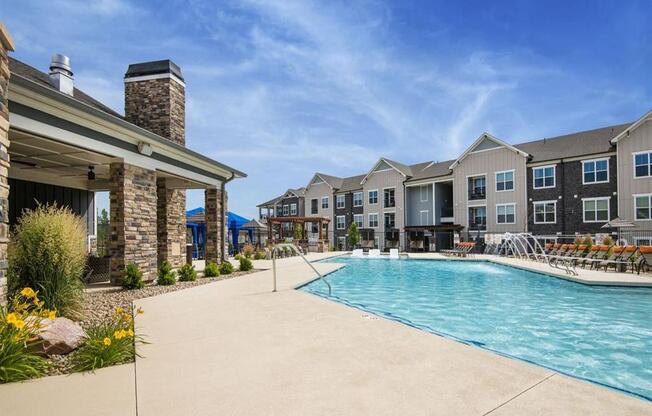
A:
[224, 216]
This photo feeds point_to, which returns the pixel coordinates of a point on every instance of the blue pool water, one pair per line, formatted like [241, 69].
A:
[602, 334]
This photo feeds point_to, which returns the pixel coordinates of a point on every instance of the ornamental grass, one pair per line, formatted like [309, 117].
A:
[19, 325]
[108, 343]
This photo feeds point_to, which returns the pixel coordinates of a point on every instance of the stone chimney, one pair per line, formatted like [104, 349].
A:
[155, 99]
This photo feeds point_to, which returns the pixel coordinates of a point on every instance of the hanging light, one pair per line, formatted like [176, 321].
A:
[91, 173]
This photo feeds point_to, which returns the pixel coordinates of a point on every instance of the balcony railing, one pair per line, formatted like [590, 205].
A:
[478, 224]
[446, 212]
[478, 193]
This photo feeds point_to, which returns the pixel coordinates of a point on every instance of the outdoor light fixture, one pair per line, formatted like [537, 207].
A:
[91, 173]
[145, 148]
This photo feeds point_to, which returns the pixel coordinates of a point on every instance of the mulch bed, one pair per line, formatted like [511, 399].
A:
[99, 305]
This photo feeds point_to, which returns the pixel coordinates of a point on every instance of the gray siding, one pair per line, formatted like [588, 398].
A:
[639, 140]
[414, 204]
[25, 195]
[381, 179]
[488, 163]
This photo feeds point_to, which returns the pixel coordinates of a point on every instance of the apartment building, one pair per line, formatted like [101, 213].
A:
[565, 185]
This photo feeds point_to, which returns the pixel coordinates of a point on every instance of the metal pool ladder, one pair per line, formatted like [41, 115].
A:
[296, 250]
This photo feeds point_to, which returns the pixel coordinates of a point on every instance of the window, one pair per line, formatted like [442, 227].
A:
[279, 210]
[505, 213]
[373, 220]
[373, 197]
[340, 222]
[358, 220]
[595, 171]
[324, 202]
[293, 209]
[477, 218]
[390, 220]
[643, 241]
[388, 198]
[596, 209]
[544, 177]
[643, 207]
[477, 187]
[357, 199]
[339, 201]
[286, 209]
[423, 193]
[313, 206]
[423, 217]
[643, 164]
[505, 181]
[545, 212]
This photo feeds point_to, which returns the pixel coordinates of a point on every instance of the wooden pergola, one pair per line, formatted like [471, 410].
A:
[321, 242]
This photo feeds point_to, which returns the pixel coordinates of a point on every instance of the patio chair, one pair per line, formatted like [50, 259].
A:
[616, 254]
[367, 244]
[565, 253]
[603, 254]
[644, 260]
[593, 251]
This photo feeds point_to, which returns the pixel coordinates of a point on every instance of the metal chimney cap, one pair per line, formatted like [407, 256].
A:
[60, 61]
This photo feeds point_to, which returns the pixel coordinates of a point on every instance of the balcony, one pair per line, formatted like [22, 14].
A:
[478, 224]
[477, 193]
[446, 212]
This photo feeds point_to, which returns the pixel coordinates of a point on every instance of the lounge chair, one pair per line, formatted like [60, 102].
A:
[603, 254]
[644, 260]
[367, 244]
[416, 245]
[586, 259]
[622, 257]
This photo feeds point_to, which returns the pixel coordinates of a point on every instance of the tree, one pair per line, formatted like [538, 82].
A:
[354, 235]
[298, 231]
[102, 233]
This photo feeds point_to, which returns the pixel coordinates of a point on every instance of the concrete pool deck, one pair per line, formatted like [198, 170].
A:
[234, 347]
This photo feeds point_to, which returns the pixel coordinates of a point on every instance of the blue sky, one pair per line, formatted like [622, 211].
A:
[281, 89]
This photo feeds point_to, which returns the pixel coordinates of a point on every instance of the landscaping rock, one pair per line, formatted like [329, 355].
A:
[60, 336]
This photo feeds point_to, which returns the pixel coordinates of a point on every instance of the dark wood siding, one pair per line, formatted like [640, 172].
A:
[26, 195]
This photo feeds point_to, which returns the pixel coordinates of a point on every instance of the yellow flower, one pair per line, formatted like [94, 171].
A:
[20, 324]
[52, 315]
[140, 311]
[107, 341]
[119, 310]
[120, 334]
[12, 318]
[130, 332]
[28, 292]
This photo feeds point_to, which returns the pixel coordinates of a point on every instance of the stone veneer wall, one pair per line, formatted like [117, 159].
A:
[157, 105]
[215, 230]
[171, 225]
[6, 45]
[133, 220]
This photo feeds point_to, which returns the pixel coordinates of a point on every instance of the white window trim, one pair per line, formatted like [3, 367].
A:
[554, 177]
[337, 222]
[605, 159]
[377, 198]
[361, 199]
[293, 209]
[513, 171]
[421, 216]
[534, 212]
[637, 240]
[337, 201]
[421, 188]
[649, 172]
[286, 210]
[369, 219]
[476, 206]
[509, 204]
[327, 202]
[360, 223]
[389, 212]
[602, 198]
[634, 196]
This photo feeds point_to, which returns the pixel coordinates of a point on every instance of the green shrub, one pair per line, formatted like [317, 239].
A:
[133, 278]
[354, 235]
[17, 331]
[608, 241]
[260, 255]
[211, 269]
[226, 268]
[108, 343]
[48, 253]
[246, 264]
[237, 256]
[288, 251]
[187, 273]
[166, 276]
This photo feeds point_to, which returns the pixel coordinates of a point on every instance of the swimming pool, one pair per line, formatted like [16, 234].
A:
[601, 334]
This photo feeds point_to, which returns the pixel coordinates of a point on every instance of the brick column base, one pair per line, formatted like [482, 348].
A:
[215, 221]
[171, 224]
[133, 220]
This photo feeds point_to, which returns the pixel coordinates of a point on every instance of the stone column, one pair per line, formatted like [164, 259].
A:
[132, 228]
[215, 221]
[6, 45]
[171, 223]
